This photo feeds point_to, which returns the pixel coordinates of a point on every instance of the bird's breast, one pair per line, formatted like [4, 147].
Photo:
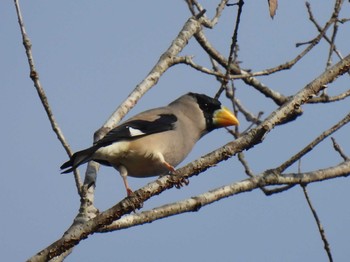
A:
[143, 165]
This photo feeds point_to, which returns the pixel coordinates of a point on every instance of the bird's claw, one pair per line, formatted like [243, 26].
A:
[181, 182]
[129, 192]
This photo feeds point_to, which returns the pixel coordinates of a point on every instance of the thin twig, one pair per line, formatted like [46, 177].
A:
[188, 60]
[248, 115]
[248, 78]
[278, 190]
[249, 172]
[319, 225]
[300, 154]
[278, 98]
[326, 99]
[310, 146]
[245, 164]
[233, 46]
[318, 27]
[339, 149]
[192, 4]
[332, 44]
[344, 20]
[34, 75]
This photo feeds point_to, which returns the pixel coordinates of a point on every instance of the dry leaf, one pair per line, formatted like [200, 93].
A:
[273, 7]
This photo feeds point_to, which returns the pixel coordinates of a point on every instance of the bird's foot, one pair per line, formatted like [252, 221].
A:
[130, 196]
[179, 181]
[129, 192]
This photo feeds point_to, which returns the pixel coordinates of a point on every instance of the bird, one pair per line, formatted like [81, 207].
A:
[154, 142]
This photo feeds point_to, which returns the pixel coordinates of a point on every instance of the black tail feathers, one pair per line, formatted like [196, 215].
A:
[78, 159]
[67, 164]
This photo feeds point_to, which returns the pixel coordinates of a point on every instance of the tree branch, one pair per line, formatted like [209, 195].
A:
[327, 99]
[339, 149]
[193, 204]
[278, 98]
[310, 146]
[319, 225]
[34, 75]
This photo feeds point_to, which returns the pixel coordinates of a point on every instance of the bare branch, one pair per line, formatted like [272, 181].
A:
[310, 146]
[300, 154]
[34, 75]
[327, 99]
[192, 4]
[245, 164]
[313, 20]
[344, 20]
[188, 60]
[339, 149]
[268, 92]
[278, 98]
[195, 203]
[248, 78]
[233, 46]
[332, 44]
[311, 45]
[319, 225]
[304, 151]
[248, 115]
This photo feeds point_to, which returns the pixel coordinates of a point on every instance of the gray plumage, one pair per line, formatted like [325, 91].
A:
[153, 142]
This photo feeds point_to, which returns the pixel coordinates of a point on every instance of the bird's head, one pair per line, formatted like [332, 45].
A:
[215, 114]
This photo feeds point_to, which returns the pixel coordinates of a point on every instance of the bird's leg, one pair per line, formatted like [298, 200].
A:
[161, 159]
[124, 174]
[182, 181]
[129, 191]
[168, 166]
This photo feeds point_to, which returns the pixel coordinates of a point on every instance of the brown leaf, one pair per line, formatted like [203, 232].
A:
[273, 7]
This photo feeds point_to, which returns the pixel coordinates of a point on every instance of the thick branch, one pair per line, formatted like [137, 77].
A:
[256, 182]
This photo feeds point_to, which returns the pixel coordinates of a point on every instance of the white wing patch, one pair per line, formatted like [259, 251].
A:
[135, 132]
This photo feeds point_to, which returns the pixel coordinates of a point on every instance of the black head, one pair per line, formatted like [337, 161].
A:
[209, 106]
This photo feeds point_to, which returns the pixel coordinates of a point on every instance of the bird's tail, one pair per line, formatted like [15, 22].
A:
[78, 159]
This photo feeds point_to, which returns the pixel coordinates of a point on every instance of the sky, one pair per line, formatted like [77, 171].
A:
[90, 55]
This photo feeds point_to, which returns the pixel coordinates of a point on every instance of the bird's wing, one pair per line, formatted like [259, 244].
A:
[128, 131]
[137, 128]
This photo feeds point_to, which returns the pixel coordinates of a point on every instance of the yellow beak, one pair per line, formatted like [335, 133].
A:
[224, 117]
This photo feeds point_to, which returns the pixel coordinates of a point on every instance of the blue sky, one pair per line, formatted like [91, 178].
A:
[90, 55]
